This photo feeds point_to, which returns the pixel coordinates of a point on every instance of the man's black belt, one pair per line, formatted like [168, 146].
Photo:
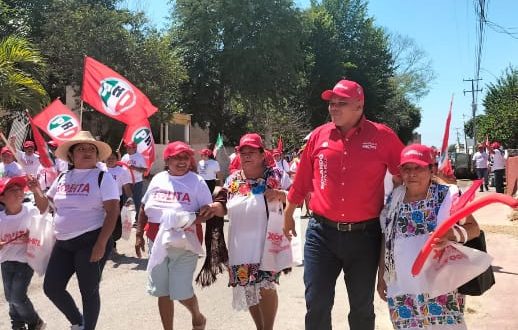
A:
[347, 226]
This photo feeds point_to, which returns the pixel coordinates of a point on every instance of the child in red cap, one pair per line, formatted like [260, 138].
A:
[16, 272]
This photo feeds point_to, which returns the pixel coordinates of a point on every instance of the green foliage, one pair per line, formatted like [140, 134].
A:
[500, 121]
[21, 67]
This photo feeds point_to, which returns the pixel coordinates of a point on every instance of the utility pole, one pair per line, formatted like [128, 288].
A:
[473, 92]
[465, 137]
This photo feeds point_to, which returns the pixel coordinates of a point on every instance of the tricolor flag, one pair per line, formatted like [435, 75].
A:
[141, 134]
[218, 145]
[444, 149]
[58, 122]
[41, 145]
[113, 95]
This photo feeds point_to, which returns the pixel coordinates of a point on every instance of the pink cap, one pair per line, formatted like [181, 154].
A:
[206, 152]
[345, 88]
[276, 152]
[253, 140]
[130, 145]
[495, 145]
[416, 153]
[176, 148]
[28, 144]
[7, 182]
[6, 150]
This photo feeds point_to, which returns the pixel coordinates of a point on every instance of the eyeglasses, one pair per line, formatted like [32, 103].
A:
[338, 104]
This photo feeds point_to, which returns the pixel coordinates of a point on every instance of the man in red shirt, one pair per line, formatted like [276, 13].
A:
[343, 167]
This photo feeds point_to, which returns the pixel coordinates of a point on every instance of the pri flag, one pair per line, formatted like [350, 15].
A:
[58, 122]
[141, 134]
[443, 160]
[41, 145]
[113, 95]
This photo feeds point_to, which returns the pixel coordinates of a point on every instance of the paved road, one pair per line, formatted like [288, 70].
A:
[126, 305]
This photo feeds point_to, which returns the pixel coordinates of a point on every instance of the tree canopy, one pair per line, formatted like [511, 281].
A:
[236, 66]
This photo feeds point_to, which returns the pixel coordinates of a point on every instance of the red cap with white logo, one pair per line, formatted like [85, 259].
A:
[418, 154]
[345, 88]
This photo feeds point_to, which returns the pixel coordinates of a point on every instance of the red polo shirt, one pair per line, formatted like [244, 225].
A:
[345, 172]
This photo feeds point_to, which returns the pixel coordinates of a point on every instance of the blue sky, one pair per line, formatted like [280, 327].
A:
[446, 31]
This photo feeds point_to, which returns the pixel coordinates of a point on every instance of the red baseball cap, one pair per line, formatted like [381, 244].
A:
[345, 88]
[253, 140]
[6, 150]
[8, 182]
[130, 145]
[52, 144]
[206, 152]
[418, 154]
[176, 148]
[495, 145]
[28, 144]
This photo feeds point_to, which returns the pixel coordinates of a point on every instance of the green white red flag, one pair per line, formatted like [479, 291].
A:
[113, 95]
[141, 134]
[218, 145]
[58, 122]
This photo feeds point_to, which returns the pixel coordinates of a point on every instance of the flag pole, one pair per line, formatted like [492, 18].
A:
[81, 116]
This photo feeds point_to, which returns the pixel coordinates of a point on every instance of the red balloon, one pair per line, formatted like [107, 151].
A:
[453, 219]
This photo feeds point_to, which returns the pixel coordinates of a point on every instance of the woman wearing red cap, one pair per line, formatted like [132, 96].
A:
[412, 212]
[168, 211]
[247, 191]
[9, 168]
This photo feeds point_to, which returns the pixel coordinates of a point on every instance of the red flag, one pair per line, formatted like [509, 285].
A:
[41, 145]
[58, 122]
[141, 134]
[113, 95]
[279, 144]
[444, 149]
[466, 197]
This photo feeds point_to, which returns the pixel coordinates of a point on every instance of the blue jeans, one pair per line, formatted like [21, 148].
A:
[483, 174]
[69, 257]
[16, 277]
[137, 191]
[326, 253]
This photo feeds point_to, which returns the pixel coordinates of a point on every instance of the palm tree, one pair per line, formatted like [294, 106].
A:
[21, 65]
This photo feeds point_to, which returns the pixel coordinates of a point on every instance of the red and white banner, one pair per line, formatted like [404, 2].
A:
[58, 122]
[141, 134]
[41, 145]
[444, 149]
[113, 95]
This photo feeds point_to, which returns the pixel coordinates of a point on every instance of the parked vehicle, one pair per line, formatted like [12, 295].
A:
[462, 165]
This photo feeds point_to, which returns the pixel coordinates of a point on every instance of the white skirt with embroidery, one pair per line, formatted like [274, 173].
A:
[249, 295]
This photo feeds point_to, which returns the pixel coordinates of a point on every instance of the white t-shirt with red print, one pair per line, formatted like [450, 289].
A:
[136, 160]
[188, 192]
[79, 201]
[31, 163]
[121, 175]
[12, 226]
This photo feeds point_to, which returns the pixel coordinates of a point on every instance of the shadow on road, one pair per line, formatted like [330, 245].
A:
[122, 259]
[499, 269]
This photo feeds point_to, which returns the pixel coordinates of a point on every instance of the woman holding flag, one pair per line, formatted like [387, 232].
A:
[412, 212]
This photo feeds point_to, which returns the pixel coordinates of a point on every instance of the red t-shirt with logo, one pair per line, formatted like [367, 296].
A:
[345, 172]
